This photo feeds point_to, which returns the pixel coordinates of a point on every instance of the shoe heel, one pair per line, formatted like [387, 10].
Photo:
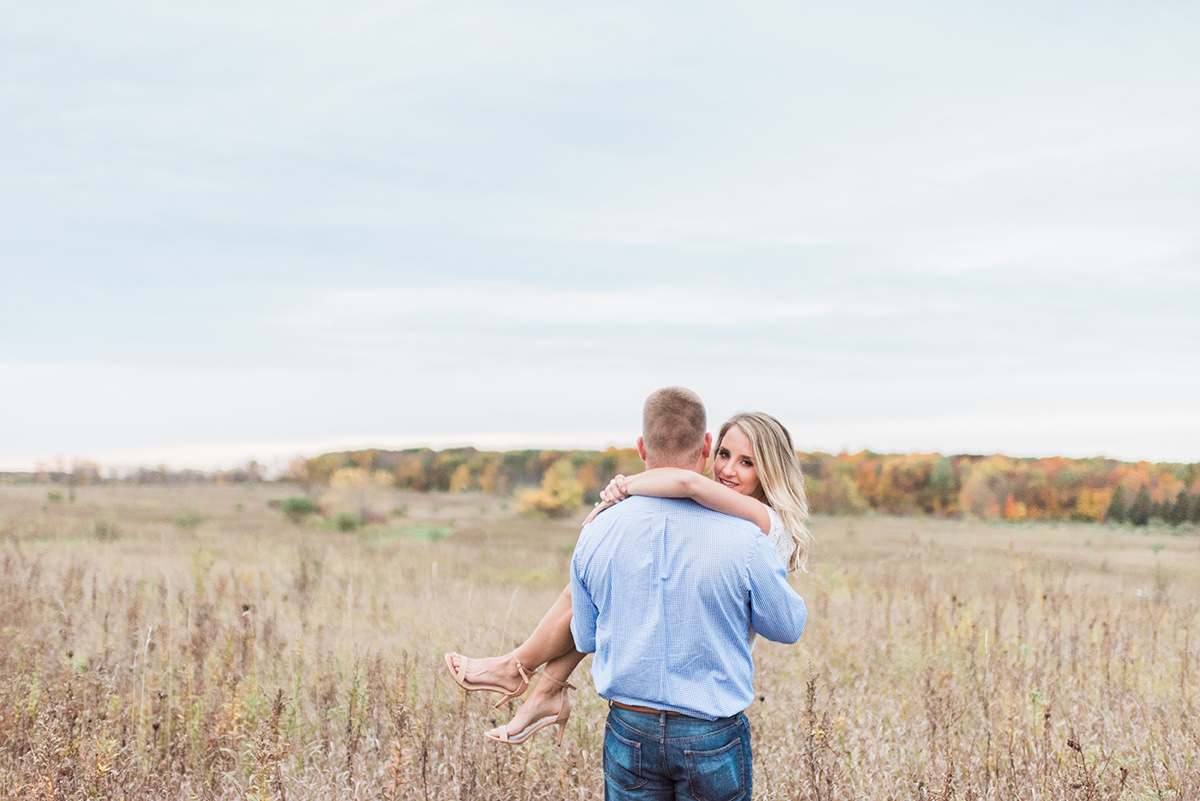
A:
[564, 714]
[562, 729]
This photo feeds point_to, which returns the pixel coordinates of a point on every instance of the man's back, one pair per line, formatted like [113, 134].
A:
[664, 592]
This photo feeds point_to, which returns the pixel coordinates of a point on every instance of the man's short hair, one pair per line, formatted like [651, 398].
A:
[673, 425]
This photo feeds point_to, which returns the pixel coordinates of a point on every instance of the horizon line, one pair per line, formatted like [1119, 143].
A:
[276, 456]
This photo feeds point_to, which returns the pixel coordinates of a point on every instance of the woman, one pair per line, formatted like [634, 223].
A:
[756, 476]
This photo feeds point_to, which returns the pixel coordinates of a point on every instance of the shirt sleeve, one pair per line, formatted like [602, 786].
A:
[583, 610]
[777, 612]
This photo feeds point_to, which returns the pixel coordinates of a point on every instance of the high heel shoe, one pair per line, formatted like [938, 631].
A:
[460, 678]
[564, 714]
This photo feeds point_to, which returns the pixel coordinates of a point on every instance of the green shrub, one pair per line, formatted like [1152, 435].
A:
[188, 519]
[54, 496]
[105, 530]
[346, 521]
[420, 532]
[296, 509]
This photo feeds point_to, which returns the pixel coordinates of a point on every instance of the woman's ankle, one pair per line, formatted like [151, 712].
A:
[516, 661]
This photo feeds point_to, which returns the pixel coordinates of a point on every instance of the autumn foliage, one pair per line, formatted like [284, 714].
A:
[996, 487]
[552, 483]
[1000, 487]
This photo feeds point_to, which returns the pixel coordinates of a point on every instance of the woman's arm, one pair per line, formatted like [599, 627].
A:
[674, 482]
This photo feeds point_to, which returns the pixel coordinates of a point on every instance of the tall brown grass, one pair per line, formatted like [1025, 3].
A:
[243, 656]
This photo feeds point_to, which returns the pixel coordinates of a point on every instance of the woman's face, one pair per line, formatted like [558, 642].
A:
[733, 464]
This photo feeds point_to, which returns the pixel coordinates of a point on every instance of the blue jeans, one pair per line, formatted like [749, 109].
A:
[665, 757]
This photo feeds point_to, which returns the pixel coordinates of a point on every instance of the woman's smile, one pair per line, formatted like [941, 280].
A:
[733, 464]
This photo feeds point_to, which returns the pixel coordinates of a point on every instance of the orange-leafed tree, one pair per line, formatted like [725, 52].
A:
[988, 484]
[1014, 510]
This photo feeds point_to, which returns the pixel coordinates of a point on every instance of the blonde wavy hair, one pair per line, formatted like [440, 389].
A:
[780, 481]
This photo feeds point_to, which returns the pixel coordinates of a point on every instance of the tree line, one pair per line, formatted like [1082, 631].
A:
[994, 487]
[558, 483]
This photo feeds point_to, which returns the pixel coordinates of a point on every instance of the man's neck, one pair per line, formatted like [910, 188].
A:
[655, 465]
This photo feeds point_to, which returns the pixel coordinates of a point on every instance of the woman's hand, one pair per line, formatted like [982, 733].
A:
[597, 509]
[616, 490]
[614, 493]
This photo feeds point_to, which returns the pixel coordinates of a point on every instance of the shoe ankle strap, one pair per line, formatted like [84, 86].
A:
[552, 680]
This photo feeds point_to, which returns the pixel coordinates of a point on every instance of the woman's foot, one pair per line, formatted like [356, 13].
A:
[500, 674]
[547, 704]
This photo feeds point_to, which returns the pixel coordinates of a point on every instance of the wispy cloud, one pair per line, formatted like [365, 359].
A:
[268, 222]
[486, 304]
[1088, 252]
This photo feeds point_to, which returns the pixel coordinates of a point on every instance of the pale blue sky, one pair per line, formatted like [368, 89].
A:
[263, 229]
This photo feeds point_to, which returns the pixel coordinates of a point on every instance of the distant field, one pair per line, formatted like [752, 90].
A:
[193, 642]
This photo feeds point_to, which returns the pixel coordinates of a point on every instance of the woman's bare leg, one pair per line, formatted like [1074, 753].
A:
[546, 699]
[550, 639]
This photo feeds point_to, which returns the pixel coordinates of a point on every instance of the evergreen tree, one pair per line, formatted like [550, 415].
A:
[1116, 507]
[1179, 510]
[1139, 512]
[943, 485]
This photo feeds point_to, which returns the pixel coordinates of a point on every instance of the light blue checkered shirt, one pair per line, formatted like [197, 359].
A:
[665, 592]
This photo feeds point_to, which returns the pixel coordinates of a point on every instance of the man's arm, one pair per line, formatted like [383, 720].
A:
[776, 611]
[583, 610]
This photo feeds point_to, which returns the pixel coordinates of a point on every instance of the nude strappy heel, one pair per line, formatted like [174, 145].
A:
[460, 678]
[564, 714]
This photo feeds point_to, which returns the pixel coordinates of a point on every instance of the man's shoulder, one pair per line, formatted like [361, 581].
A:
[685, 509]
[637, 508]
[645, 504]
[680, 505]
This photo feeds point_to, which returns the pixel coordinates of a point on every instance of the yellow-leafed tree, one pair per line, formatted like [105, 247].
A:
[561, 493]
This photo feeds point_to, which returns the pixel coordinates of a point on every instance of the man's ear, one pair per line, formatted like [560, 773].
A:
[641, 446]
[707, 445]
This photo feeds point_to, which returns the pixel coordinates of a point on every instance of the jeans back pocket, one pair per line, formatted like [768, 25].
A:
[720, 775]
[622, 760]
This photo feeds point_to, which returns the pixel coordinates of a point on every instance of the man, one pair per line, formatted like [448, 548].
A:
[665, 592]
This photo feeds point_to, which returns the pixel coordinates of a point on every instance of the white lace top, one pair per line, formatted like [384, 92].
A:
[781, 538]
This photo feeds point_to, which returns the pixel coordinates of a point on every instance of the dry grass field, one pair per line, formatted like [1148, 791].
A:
[192, 643]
